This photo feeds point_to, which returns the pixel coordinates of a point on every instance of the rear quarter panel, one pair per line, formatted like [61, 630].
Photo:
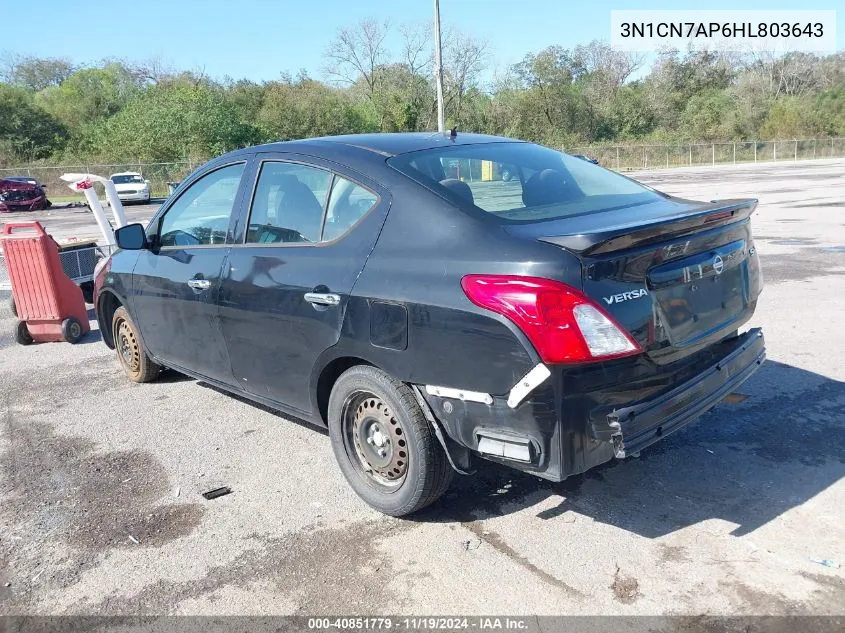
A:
[426, 246]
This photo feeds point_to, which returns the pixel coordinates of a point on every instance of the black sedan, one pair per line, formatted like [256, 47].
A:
[552, 321]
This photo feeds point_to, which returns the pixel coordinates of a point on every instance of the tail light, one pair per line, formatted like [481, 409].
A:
[563, 325]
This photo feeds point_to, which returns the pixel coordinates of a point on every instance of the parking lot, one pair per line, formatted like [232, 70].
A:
[100, 479]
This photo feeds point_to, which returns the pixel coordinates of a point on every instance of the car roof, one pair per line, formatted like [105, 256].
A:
[126, 173]
[386, 143]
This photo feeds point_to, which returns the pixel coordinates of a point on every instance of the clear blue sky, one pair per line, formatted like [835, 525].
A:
[258, 39]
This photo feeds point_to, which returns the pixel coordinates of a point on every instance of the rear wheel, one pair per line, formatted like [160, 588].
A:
[385, 447]
[22, 335]
[71, 330]
[134, 360]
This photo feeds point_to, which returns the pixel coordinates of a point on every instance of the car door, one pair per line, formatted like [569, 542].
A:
[309, 230]
[176, 282]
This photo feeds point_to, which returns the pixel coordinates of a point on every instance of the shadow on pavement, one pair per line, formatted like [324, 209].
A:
[746, 463]
[94, 336]
[283, 417]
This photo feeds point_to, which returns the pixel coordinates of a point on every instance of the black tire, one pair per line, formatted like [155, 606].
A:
[72, 330]
[87, 288]
[22, 335]
[13, 306]
[136, 364]
[414, 471]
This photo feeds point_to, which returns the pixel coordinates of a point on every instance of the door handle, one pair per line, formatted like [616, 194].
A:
[199, 284]
[322, 298]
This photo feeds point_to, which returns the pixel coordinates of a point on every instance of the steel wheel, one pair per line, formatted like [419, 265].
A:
[133, 358]
[374, 440]
[383, 443]
[127, 347]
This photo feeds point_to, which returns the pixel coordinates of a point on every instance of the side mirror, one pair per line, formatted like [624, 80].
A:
[147, 181]
[131, 237]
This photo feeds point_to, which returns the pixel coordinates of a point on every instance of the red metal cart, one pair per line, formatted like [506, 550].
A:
[49, 304]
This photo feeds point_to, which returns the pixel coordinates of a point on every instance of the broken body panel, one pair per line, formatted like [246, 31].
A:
[655, 275]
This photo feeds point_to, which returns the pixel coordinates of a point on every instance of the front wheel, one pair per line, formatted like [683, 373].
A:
[135, 362]
[383, 444]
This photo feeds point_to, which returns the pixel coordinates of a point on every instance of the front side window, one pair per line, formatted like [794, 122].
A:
[200, 216]
[522, 182]
[288, 204]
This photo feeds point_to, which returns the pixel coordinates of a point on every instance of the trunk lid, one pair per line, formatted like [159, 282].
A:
[678, 275]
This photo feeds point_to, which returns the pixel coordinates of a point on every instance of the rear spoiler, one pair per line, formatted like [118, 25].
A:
[640, 231]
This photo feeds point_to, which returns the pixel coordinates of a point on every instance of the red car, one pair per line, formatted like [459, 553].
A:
[16, 195]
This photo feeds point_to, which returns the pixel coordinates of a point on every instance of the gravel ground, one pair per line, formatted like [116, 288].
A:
[100, 479]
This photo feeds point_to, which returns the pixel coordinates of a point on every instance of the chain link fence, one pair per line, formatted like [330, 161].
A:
[637, 157]
[619, 157]
[159, 174]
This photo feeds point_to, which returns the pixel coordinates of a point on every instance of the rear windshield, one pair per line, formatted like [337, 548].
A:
[522, 182]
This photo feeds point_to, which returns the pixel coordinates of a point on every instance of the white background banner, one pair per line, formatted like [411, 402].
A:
[775, 30]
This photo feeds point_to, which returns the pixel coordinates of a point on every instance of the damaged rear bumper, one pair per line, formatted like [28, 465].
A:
[581, 417]
[637, 426]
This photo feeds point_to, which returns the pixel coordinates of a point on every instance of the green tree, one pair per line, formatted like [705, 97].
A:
[36, 73]
[90, 95]
[710, 115]
[26, 131]
[789, 117]
[401, 99]
[630, 114]
[171, 121]
[247, 97]
[547, 106]
[827, 113]
[305, 107]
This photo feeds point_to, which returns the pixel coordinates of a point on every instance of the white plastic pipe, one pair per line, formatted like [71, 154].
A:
[114, 203]
[84, 183]
[99, 215]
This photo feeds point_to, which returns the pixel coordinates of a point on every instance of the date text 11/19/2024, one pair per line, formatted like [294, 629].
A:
[419, 623]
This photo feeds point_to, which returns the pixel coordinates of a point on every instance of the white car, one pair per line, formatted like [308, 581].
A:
[131, 187]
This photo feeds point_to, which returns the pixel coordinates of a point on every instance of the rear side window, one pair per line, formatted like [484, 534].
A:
[296, 203]
[288, 204]
[521, 182]
[347, 204]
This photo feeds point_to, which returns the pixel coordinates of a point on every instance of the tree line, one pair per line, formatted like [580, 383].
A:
[53, 110]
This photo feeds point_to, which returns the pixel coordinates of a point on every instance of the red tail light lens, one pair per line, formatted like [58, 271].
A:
[563, 325]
